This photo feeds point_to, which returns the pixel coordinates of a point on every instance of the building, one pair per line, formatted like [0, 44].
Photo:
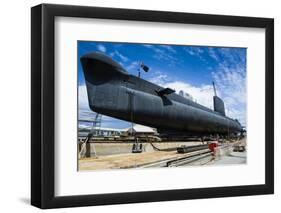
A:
[138, 129]
[100, 131]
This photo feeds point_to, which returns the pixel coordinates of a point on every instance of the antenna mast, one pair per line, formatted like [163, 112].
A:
[139, 72]
[214, 86]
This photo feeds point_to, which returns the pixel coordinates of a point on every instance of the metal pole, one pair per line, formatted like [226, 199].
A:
[214, 88]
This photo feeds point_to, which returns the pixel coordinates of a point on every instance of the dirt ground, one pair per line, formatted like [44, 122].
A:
[130, 160]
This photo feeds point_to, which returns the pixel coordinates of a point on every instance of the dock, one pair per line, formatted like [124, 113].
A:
[155, 158]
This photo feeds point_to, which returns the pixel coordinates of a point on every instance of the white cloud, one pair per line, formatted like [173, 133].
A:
[101, 48]
[119, 55]
[82, 97]
[159, 79]
[160, 48]
[163, 53]
[196, 52]
[147, 45]
[202, 94]
[133, 66]
[213, 54]
[169, 48]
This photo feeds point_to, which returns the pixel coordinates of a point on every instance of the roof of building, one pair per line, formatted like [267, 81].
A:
[136, 128]
[141, 128]
[81, 126]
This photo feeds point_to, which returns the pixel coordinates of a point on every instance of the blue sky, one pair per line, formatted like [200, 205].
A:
[188, 68]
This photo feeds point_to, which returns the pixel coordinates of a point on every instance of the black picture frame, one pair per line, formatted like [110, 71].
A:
[43, 117]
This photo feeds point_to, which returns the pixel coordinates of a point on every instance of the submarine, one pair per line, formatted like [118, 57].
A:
[112, 91]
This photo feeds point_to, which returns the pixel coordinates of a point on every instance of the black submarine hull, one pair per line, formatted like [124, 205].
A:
[113, 92]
